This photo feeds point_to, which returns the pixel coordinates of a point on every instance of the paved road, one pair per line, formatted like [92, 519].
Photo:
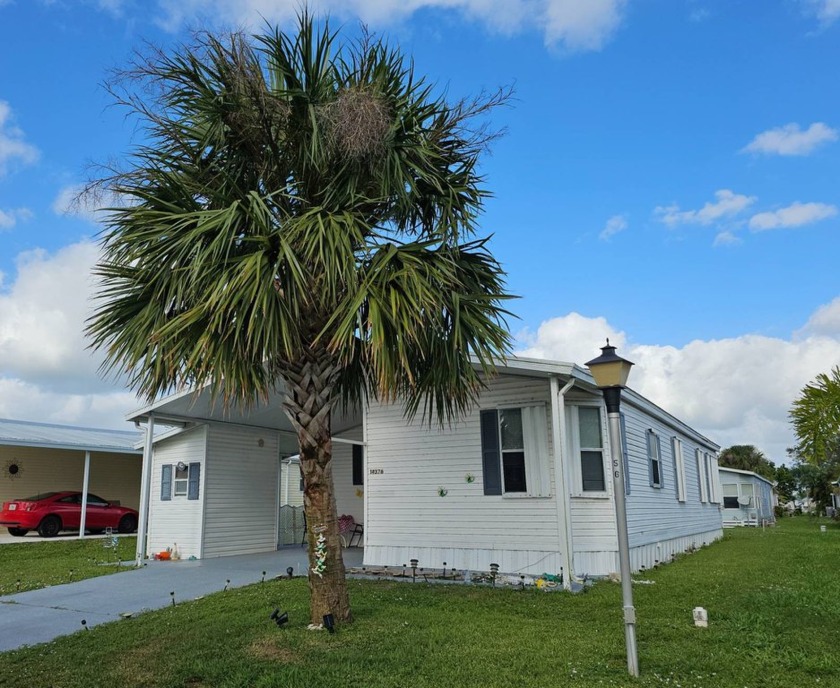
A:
[38, 616]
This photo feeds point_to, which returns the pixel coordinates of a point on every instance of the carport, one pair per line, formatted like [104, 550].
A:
[43, 457]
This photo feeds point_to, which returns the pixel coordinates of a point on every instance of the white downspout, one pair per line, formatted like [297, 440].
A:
[145, 492]
[564, 508]
[85, 483]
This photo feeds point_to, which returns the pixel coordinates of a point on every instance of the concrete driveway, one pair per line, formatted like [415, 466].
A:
[38, 616]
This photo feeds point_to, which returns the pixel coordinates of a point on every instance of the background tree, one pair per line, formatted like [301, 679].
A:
[786, 484]
[815, 415]
[302, 213]
[746, 457]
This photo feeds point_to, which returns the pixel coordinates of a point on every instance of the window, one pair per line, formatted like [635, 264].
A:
[679, 468]
[701, 475]
[181, 478]
[515, 451]
[586, 444]
[591, 449]
[730, 497]
[186, 482]
[358, 464]
[654, 451]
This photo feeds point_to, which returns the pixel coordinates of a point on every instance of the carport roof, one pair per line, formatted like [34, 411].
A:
[24, 433]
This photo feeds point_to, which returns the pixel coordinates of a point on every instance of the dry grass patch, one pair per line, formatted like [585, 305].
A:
[271, 649]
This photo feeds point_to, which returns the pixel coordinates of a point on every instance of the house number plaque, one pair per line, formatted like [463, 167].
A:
[376, 471]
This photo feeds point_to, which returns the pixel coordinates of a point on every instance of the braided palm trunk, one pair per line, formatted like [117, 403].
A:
[308, 403]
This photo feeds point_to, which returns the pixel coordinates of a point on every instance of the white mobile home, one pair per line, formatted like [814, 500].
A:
[748, 498]
[523, 481]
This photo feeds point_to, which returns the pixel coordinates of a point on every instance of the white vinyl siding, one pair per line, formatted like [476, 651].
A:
[241, 491]
[409, 464]
[176, 521]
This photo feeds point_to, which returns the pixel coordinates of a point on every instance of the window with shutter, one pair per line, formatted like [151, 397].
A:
[194, 472]
[358, 465]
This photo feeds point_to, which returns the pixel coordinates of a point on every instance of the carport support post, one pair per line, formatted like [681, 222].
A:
[145, 490]
[85, 482]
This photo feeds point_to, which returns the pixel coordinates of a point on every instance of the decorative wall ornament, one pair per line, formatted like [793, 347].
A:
[13, 469]
[469, 478]
[442, 492]
[320, 556]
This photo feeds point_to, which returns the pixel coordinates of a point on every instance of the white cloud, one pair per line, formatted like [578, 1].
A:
[720, 387]
[827, 11]
[727, 205]
[616, 224]
[791, 140]
[13, 146]
[42, 316]
[46, 371]
[825, 321]
[727, 238]
[570, 24]
[9, 218]
[582, 26]
[795, 215]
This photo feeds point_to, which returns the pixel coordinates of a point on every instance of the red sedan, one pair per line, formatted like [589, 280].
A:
[52, 512]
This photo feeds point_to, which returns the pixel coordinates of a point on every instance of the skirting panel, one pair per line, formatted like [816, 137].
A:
[530, 562]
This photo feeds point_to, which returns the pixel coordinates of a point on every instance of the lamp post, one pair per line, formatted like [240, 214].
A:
[610, 372]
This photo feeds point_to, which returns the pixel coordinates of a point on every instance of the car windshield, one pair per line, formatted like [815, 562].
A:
[38, 497]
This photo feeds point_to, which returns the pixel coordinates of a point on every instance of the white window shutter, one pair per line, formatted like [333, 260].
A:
[535, 435]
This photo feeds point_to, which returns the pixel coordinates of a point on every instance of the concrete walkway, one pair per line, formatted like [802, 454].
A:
[38, 616]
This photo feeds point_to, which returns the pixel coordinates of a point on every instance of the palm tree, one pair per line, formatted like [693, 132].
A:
[815, 415]
[302, 215]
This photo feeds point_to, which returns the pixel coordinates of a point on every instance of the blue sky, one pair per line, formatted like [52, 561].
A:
[670, 177]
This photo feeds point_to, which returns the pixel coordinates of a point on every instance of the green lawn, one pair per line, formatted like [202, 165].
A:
[773, 598]
[31, 565]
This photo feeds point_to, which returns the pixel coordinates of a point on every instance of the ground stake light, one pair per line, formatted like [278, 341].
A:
[279, 617]
[329, 622]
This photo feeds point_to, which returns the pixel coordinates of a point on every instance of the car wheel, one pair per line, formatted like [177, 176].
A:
[128, 524]
[17, 532]
[49, 527]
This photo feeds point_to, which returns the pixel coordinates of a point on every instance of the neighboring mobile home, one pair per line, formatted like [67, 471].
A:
[748, 498]
[45, 457]
[523, 481]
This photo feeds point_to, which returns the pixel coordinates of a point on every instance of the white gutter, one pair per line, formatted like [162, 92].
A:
[85, 483]
[145, 491]
[564, 508]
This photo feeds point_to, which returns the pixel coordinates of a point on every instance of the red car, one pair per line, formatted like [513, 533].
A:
[52, 512]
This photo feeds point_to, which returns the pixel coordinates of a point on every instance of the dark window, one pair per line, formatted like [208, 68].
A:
[592, 471]
[93, 500]
[654, 459]
[358, 465]
[591, 449]
[731, 503]
[70, 499]
[513, 450]
[490, 463]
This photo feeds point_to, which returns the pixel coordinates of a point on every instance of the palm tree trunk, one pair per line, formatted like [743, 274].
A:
[307, 404]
